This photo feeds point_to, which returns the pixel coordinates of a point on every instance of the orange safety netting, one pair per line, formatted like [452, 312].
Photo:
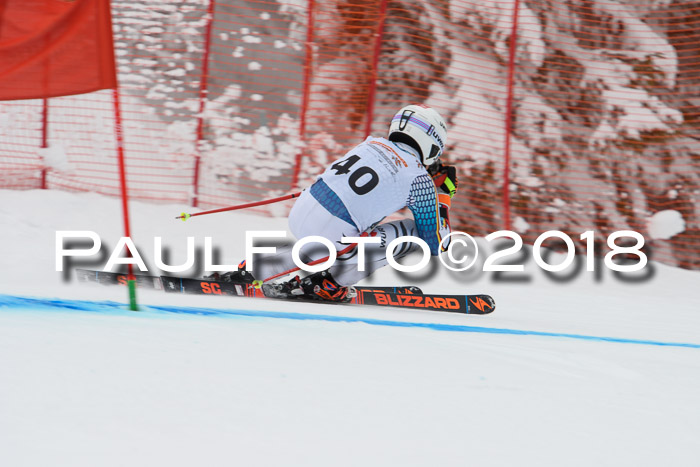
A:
[588, 120]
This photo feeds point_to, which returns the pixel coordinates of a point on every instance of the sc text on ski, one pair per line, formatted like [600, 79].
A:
[465, 258]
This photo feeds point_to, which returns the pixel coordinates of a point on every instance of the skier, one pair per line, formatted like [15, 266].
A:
[353, 195]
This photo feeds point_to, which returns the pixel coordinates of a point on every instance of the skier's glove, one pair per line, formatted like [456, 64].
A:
[445, 178]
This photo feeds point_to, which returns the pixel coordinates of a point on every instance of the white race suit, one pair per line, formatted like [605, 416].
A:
[373, 180]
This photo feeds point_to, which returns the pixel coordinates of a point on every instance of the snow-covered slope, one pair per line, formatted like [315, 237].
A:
[530, 384]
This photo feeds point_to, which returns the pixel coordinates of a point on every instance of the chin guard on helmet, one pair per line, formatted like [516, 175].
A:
[422, 128]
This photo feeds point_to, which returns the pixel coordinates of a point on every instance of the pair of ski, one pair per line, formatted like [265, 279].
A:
[402, 297]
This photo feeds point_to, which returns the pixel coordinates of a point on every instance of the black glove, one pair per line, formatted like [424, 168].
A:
[444, 177]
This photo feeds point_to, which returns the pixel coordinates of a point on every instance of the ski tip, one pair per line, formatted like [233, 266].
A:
[480, 304]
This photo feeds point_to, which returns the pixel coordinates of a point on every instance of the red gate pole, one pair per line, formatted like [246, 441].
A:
[203, 92]
[44, 137]
[378, 36]
[509, 116]
[308, 63]
[118, 133]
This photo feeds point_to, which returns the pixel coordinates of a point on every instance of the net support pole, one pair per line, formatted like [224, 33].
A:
[509, 115]
[44, 137]
[378, 37]
[308, 64]
[119, 136]
[203, 92]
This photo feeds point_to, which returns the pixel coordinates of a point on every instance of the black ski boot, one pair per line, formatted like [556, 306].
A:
[237, 277]
[317, 286]
[322, 286]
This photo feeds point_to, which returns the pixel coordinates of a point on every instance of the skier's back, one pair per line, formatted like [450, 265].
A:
[375, 179]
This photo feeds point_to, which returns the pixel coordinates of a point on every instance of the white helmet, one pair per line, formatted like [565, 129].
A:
[421, 128]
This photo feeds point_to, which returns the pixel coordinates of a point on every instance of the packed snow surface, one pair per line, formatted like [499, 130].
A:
[592, 370]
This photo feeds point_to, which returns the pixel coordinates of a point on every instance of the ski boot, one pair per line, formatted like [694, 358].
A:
[318, 286]
[241, 276]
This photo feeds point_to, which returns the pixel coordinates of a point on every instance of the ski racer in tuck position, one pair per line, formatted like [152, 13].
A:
[350, 198]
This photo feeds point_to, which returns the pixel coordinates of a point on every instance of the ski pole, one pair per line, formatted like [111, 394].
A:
[312, 263]
[184, 216]
[320, 260]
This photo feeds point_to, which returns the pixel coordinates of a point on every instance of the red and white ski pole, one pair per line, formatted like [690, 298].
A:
[184, 216]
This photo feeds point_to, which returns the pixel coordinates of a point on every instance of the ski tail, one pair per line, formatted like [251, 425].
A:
[113, 278]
